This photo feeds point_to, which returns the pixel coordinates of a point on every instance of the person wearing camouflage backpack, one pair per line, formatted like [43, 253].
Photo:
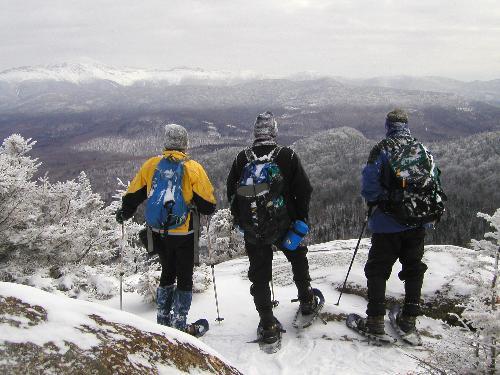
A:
[401, 185]
[266, 214]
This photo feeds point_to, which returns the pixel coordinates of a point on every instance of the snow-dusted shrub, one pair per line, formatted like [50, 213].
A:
[202, 278]
[223, 241]
[50, 231]
[148, 282]
[473, 348]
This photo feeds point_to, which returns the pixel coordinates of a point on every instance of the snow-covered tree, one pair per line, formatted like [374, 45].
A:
[57, 235]
[473, 348]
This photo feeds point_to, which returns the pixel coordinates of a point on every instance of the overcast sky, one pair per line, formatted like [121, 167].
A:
[352, 38]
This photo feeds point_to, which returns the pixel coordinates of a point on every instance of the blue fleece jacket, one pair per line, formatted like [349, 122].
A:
[373, 190]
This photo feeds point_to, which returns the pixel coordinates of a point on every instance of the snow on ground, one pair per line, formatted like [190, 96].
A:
[319, 349]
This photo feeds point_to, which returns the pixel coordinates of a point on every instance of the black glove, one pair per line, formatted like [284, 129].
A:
[372, 204]
[119, 216]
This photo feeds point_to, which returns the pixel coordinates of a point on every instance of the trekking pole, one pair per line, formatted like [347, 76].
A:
[122, 249]
[355, 252]
[219, 319]
[274, 302]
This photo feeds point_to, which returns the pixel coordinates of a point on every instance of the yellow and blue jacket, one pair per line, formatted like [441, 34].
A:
[196, 188]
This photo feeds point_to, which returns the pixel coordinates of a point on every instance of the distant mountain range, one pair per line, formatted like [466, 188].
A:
[76, 88]
[82, 73]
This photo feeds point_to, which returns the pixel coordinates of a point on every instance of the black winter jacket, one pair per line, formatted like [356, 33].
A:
[298, 189]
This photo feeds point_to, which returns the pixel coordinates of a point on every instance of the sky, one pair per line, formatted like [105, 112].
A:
[352, 38]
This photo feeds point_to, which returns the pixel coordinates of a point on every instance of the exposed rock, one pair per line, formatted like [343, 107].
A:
[40, 340]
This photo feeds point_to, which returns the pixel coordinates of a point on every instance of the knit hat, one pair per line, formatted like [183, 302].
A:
[176, 137]
[265, 127]
[397, 115]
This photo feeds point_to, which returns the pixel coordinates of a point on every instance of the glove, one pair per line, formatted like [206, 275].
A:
[119, 216]
[372, 204]
[238, 229]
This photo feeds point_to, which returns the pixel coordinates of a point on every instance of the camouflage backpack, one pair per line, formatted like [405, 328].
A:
[262, 212]
[415, 193]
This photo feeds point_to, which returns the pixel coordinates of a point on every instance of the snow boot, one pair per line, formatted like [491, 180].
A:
[373, 325]
[180, 308]
[407, 323]
[269, 333]
[308, 302]
[164, 300]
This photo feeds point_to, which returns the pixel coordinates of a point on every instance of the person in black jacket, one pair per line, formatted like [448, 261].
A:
[297, 193]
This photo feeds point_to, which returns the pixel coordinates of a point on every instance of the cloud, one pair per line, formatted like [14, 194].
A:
[353, 38]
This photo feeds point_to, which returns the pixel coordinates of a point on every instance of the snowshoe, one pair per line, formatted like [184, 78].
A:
[198, 328]
[358, 324]
[269, 339]
[412, 336]
[303, 321]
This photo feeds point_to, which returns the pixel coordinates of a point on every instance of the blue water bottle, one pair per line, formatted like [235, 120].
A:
[296, 233]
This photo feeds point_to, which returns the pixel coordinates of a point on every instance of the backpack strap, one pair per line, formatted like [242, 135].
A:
[275, 153]
[271, 156]
[250, 155]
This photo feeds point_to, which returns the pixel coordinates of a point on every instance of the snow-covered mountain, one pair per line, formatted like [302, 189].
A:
[78, 73]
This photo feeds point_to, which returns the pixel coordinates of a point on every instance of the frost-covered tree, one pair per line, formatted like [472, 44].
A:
[57, 235]
[474, 348]
[17, 191]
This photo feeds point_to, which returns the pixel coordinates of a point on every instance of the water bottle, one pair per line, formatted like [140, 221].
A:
[296, 233]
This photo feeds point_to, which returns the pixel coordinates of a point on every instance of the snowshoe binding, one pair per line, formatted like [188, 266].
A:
[404, 326]
[269, 338]
[198, 328]
[358, 324]
[309, 311]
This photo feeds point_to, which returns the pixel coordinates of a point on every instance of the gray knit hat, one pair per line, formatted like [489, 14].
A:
[265, 127]
[397, 115]
[176, 137]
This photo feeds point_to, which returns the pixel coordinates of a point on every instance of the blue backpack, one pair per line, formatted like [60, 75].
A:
[262, 211]
[165, 207]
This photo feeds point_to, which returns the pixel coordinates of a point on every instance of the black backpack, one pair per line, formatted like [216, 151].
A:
[415, 193]
[262, 211]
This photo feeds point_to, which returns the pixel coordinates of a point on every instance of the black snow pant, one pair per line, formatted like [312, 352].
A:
[260, 272]
[176, 254]
[408, 247]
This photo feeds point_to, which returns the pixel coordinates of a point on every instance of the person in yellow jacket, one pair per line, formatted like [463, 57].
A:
[175, 243]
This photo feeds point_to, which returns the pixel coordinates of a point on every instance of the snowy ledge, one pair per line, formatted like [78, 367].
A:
[47, 333]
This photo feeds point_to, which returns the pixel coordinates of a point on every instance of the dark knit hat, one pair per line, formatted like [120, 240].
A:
[265, 127]
[397, 115]
[176, 137]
